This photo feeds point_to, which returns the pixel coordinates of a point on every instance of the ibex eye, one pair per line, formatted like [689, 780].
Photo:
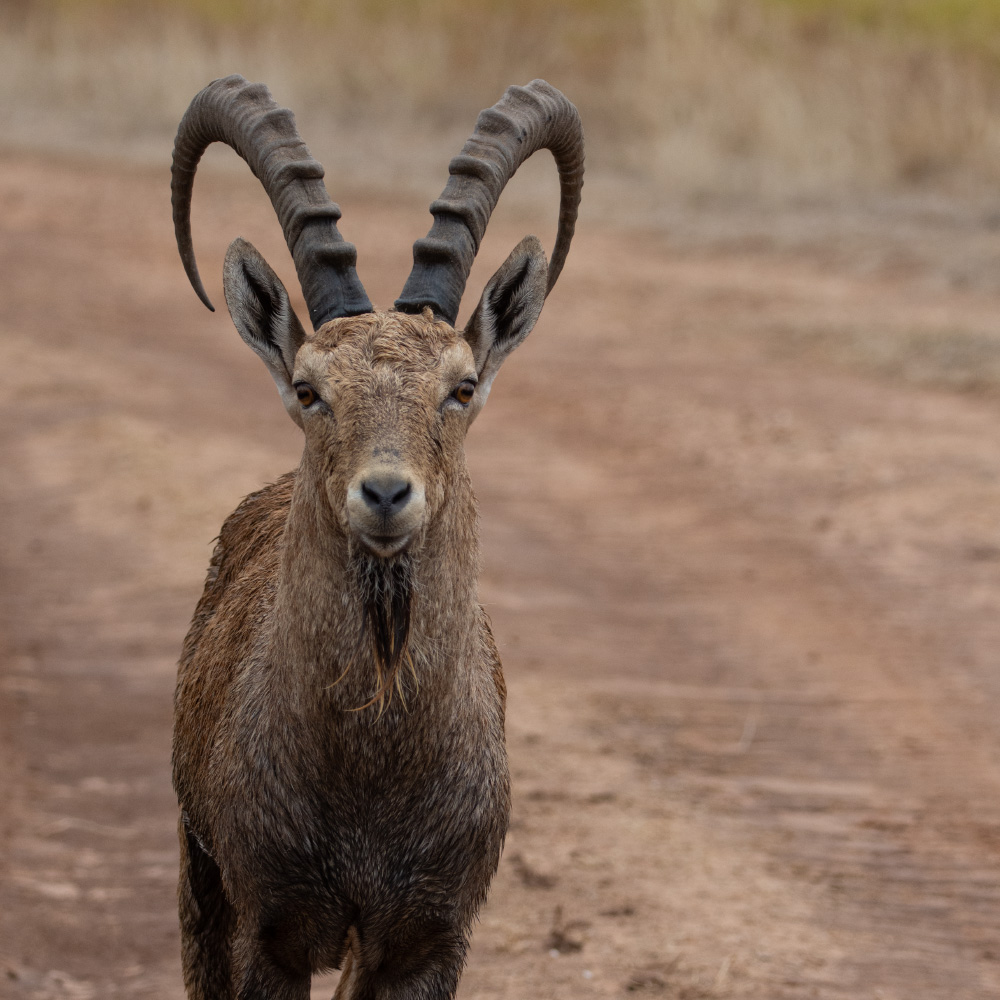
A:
[305, 393]
[464, 392]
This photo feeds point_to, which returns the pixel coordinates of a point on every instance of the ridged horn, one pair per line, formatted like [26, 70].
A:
[245, 116]
[523, 121]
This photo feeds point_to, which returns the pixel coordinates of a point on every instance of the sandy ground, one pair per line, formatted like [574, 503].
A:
[741, 523]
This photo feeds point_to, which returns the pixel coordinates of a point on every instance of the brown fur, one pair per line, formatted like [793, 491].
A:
[315, 831]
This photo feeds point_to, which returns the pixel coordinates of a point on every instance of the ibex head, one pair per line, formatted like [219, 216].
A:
[384, 397]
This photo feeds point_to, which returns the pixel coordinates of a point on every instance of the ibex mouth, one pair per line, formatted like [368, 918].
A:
[385, 546]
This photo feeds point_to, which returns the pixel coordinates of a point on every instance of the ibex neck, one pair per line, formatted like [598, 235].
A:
[325, 633]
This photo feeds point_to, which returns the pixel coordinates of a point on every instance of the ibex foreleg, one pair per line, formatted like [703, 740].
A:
[429, 971]
[206, 923]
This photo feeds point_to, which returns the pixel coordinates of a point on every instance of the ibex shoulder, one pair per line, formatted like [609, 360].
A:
[245, 551]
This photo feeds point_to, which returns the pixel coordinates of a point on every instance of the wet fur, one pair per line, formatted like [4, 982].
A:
[386, 588]
[316, 832]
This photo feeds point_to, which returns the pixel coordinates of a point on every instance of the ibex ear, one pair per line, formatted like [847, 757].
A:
[506, 313]
[259, 306]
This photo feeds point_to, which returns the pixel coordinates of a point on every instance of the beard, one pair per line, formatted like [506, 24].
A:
[386, 588]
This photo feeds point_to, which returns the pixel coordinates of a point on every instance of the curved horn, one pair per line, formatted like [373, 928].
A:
[523, 121]
[245, 116]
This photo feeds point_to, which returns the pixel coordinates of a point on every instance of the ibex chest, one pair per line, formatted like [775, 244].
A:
[339, 789]
[380, 821]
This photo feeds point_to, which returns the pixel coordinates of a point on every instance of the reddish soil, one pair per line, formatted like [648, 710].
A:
[742, 553]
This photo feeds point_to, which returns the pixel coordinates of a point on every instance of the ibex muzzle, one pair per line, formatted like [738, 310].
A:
[339, 753]
[386, 508]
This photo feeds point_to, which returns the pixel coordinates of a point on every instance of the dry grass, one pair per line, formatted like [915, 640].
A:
[780, 98]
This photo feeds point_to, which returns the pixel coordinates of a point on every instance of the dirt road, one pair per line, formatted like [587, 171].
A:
[741, 520]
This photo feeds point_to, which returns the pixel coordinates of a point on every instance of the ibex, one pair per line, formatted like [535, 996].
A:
[339, 752]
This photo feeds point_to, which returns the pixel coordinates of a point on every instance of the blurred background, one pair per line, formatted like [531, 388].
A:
[699, 98]
[723, 120]
[740, 490]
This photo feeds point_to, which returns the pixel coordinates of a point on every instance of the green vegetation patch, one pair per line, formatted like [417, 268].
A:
[246, 13]
[973, 23]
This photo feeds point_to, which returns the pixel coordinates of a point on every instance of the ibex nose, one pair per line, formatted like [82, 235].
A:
[385, 508]
[386, 494]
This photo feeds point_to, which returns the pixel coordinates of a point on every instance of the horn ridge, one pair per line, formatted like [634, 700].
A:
[523, 121]
[246, 117]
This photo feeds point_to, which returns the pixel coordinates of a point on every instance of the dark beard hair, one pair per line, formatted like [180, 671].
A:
[386, 588]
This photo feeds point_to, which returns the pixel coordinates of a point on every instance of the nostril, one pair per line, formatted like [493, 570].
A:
[386, 494]
[401, 495]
